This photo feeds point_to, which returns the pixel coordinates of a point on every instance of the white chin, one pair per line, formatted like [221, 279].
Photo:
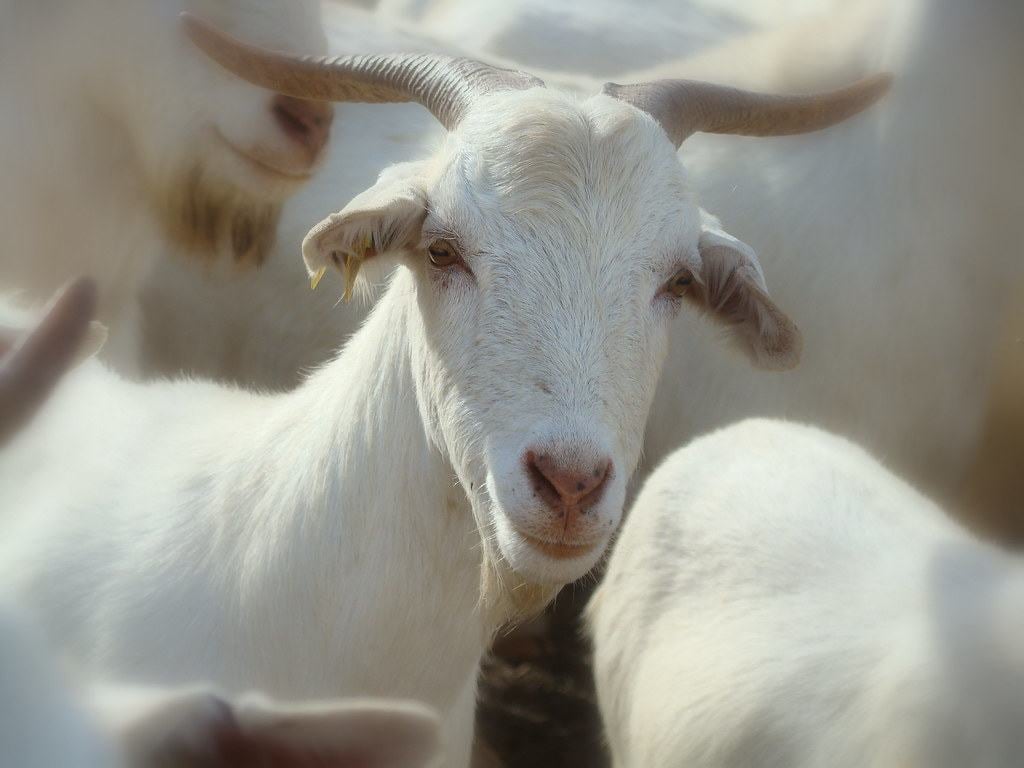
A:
[260, 180]
[263, 181]
[539, 567]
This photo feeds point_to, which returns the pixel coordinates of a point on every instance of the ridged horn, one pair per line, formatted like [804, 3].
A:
[445, 85]
[686, 107]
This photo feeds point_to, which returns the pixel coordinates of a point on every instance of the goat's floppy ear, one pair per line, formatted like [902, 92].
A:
[203, 729]
[731, 288]
[386, 218]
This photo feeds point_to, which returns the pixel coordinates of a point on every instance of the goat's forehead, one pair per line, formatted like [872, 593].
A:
[522, 136]
[544, 156]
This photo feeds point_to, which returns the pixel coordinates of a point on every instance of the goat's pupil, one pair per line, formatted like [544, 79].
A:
[441, 255]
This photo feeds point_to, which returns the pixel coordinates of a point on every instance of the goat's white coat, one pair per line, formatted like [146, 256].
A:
[779, 599]
[45, 722]
[365, 534]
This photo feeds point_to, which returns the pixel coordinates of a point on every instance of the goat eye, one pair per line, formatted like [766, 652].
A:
[443, 254]
[680, 282]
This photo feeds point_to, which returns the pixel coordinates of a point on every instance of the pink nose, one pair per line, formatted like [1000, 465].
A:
[569, 489]
[306, 122]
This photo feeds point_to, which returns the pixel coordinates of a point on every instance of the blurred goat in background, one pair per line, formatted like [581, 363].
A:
[123, 143]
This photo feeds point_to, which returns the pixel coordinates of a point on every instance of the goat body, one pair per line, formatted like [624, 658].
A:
[777, 598]
[254, 542]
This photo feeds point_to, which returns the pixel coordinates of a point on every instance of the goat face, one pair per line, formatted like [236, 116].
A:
[551, 243]
[218, 155]
[258, 139]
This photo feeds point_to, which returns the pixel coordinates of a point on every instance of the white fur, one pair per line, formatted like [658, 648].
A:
[108, 107]
[47, 721]
[778, 599]
[366, 533]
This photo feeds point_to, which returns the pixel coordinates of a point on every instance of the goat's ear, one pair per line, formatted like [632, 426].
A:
[385, 219]
[32, 363]
[732, 290]
[200, 728]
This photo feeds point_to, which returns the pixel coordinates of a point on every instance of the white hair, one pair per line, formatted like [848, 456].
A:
[778, 598]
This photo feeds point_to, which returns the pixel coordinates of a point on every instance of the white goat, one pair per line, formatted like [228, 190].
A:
[464, 456]
[778, 598]
[47, 722]
[120, 141]
[895, 251]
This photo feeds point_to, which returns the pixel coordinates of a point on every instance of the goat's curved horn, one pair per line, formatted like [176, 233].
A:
[443, 84]
[685, 107]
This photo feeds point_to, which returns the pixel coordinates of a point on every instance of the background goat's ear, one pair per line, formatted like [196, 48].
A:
[200, 728]
[732, 290]
[32, 363]
[386, 218]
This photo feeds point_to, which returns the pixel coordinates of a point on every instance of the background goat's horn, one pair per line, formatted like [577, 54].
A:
[685, 107]
[443, 84]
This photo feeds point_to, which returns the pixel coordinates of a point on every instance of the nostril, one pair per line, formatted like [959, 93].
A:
[566, 485]
[542, 486]
[291, 122]
[307, 122]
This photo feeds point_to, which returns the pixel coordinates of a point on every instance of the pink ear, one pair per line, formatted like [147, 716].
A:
[731, 289]
[331, 736]
[227, 744]
[30, 371]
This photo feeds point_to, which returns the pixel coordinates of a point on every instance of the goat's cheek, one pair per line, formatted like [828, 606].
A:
[453, 313]
[666, 306]
[449, 280]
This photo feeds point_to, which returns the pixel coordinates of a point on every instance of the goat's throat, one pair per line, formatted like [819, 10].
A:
[392, 489]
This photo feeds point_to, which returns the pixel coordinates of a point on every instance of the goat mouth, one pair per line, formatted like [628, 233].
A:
[262, 163]
[559, 550]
